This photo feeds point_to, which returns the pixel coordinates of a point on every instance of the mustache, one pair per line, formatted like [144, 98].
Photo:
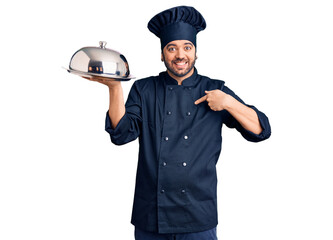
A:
[183, 59]
[179, 60]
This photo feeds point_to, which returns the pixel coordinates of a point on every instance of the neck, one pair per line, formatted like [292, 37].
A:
[180, 79]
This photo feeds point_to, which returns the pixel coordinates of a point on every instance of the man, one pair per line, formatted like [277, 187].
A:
[178, 116]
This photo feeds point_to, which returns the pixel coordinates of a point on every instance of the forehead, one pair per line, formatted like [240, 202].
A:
[179, 43]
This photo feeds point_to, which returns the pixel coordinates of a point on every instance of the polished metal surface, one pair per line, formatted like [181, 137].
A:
[100, 61]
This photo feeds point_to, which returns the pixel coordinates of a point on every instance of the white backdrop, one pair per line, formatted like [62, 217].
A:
[60, 176]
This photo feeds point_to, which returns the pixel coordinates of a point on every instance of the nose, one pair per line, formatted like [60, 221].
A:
[180, 53]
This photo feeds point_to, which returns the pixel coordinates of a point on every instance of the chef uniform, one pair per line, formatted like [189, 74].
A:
[179, 142]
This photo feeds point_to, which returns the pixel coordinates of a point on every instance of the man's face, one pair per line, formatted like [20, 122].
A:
[179, 58]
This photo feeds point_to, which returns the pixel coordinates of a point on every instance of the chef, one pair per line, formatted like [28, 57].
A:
[177, 117]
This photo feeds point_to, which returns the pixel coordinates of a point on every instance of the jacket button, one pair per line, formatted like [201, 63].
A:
[170, 88]
[184, 164]
[169, 113]
[183, 191]
[162, 191]
[166, 138]
[185, 137]
[188, 113]
[164, 163]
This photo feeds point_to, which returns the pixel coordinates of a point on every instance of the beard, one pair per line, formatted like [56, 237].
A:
[179, 73]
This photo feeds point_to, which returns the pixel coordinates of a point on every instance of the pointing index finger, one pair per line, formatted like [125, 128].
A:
[200, 100]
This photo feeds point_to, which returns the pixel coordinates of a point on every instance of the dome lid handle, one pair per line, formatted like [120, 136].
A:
[102, 44]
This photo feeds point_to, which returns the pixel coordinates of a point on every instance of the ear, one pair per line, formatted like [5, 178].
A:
[162, 57]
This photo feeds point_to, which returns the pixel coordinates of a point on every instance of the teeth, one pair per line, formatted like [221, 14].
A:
[181, 63]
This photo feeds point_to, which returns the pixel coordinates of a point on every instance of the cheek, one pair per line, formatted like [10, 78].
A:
[166, 56]
[169, 58]
[192, 56]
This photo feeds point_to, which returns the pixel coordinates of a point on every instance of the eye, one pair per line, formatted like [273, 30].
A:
[171, 49]
[188, 48]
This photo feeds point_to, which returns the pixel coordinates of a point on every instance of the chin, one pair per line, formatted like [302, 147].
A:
[177, 73]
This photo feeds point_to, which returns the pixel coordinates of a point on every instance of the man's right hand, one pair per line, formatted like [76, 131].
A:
[110, 82]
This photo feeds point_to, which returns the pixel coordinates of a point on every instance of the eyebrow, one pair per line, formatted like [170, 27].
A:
[169, 45]
[189, 43]
[174, 45]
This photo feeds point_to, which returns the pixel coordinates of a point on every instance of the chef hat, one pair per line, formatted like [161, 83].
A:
[178, 23]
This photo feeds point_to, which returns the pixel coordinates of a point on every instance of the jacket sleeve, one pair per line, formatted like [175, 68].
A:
[231, 122]
[128, 128]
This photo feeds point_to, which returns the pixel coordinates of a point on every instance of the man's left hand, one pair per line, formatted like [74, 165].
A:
[216, 99]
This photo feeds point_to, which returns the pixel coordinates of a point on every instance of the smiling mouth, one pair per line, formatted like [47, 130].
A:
[181, 64]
